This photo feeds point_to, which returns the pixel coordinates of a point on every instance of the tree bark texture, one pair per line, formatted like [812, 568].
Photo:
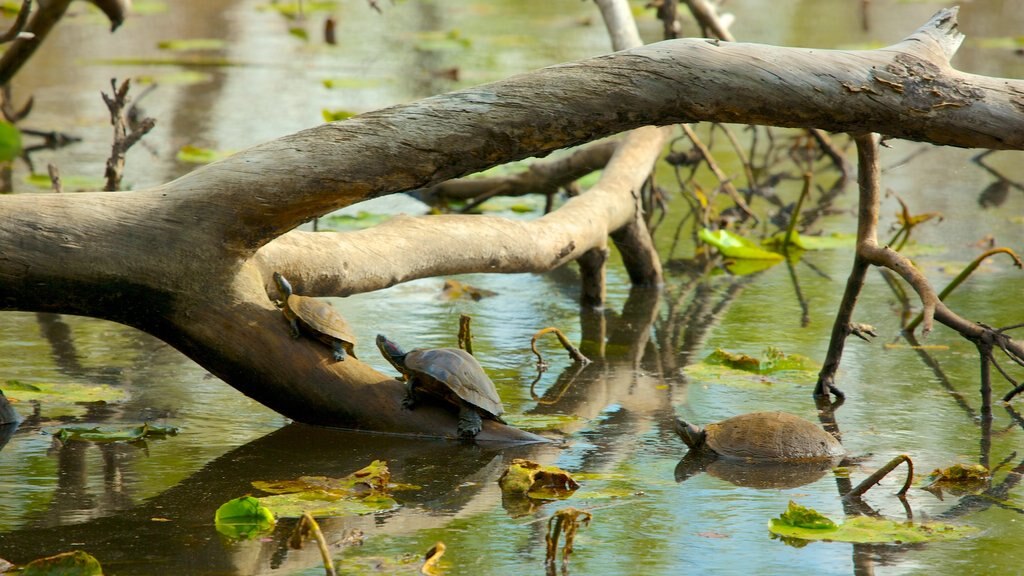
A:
[191, 261]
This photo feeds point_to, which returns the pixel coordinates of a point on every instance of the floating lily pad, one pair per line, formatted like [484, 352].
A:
[541, 422]
[438, 41]
[197, 155]
[108, 434]
[181, 59]
[736, 246]
[804, 242]
[807, 524]
[177, 78]
[243, 518]
[774, 367]
[771, 360]
[336, 115]
[324, 504]
[958, 479]
[70, 182]
[148, 7]
[77, 563]
[358, 221]
[1004, 42]
[61, 396]
[192, 44]
[295, 9]
[331, 83]
[362, 492]
[536, 481]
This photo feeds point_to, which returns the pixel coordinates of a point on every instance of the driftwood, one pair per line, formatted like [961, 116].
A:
[191, 261]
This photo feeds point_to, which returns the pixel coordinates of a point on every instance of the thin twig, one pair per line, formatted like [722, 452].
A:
[126, 133]
[963, 276]
[882, 472]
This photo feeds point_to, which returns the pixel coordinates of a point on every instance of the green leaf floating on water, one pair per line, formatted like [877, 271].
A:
[958, 479]
[10, 141]
[735, 246]
[77, 563]
[243, 518]
[362, 492]
[190, 44]
[771, 360]
[101, 434]
[71, 182]
[813, 242]
[63, 394]
[807, 524]
[336, 115]
[197, 155]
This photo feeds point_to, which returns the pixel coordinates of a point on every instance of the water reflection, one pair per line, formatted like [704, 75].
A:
[453, 478]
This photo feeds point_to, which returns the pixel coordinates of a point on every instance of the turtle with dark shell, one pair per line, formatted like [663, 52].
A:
[316, 318]
[451, 375]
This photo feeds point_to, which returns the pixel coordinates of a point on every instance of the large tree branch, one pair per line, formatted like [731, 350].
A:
[907, 90]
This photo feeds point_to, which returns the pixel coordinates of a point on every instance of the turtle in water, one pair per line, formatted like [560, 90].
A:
[451, 374]
[751, 448]
[317, 318]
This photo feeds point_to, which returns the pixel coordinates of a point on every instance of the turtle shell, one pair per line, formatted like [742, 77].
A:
[460, 373]
[321, 317]
[771, 436]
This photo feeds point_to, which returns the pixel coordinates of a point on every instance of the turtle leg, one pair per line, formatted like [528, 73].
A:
[339, 351]
[470, 423]
[409, 402]
[295, 327]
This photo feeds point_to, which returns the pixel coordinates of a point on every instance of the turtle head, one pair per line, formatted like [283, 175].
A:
[692, 435]
[392, 352]
[283, 285]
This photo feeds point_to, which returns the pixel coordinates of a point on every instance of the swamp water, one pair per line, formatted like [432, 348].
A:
[149, 510]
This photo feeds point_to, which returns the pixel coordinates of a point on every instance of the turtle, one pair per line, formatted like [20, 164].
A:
[451, 374]
[756, 439]
[318, 318]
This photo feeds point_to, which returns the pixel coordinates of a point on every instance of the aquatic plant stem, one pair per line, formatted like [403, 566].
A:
[882, 472]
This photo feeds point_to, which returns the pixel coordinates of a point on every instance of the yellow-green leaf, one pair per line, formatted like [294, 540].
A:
[77, 563]
[10, 141]
[536, 481]
[243, 518]
[736, 246]
[807, 524]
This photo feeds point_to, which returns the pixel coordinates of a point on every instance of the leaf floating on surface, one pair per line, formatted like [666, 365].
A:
[736, 246]
[336, 115]
[243, 518]
[196, 155]
[362, 492]
[803, 242]
[536, 481]
[61, 399]
[771, 360]
[10, 141]
[803, 524]
[455, 290]
[77, 563]
[71, 182]
[192, 44]
[99, 434]
[958, 479]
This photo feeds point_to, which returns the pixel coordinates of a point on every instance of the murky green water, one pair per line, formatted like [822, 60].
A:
[149, 510]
